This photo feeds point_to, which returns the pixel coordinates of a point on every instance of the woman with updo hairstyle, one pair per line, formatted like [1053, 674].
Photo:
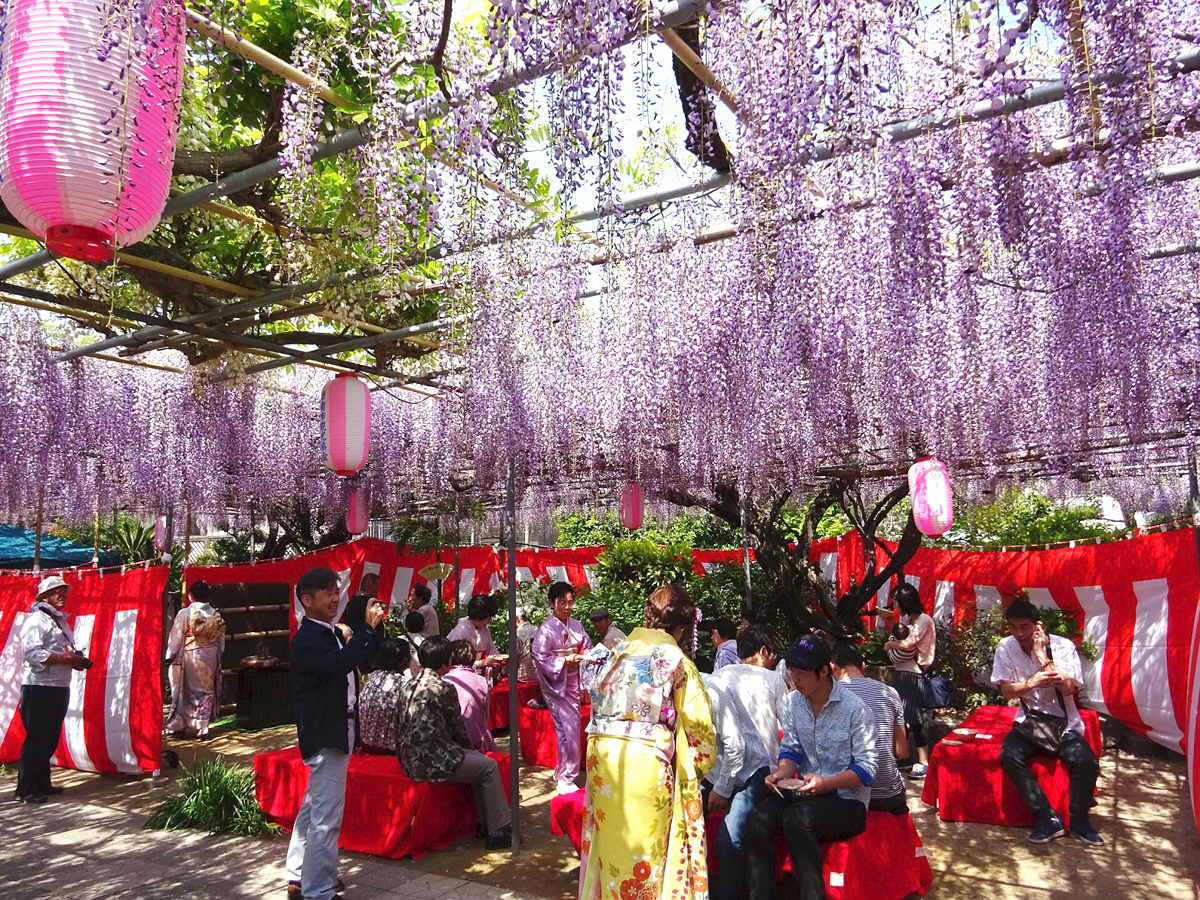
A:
[194, 650]
[651, 738]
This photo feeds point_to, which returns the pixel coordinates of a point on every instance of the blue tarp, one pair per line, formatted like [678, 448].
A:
[16, 551]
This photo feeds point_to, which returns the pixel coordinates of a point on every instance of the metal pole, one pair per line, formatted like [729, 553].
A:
[746, 554]
[1194, 497]
[514, 737]
[37, 531]
[288, 292]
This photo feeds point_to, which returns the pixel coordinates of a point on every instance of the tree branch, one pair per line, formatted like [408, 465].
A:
[439, 52]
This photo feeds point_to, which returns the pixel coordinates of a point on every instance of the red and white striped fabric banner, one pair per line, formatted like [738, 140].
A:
[397, 572]
[114, 722]
[1136, 599]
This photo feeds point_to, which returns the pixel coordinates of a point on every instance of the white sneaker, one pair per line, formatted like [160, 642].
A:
[918, 771]
[567, 787]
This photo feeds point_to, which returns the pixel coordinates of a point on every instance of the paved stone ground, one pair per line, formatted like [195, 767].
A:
[89, 844]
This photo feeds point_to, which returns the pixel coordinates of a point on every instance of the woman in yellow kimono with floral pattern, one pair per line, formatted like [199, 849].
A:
[651, 742]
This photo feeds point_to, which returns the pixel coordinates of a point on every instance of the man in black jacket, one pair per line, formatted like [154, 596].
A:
[324, 698]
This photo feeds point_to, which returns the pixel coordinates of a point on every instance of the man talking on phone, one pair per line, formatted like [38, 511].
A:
[325, 698]
[820, 788]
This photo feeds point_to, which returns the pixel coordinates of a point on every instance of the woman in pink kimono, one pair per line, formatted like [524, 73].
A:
[558, 647]
[194, 651]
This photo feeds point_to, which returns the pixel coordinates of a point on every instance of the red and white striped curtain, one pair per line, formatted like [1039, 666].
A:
[114, 722]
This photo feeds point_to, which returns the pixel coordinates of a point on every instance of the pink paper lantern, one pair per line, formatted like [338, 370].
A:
[346, 424]
[162, 539]
[932, 500]
[632, 507]
[358, 510]
[89, 104]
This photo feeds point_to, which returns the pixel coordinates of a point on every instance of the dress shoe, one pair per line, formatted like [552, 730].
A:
[481, 831]
[499, 841]
[54, 789]
[295, 893]
[34, 798]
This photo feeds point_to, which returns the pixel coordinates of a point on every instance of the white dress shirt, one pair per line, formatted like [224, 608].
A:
[762, 692]
[1012, 664]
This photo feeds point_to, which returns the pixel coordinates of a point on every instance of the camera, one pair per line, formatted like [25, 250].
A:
[87, 663]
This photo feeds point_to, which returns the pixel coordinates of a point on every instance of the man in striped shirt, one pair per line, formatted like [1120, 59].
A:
[891, 740]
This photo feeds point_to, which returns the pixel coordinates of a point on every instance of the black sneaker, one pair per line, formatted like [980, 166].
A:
[1047, 830]
[1087, 834]
[499, 841]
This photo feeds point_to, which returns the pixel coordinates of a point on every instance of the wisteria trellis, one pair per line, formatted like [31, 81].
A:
[976, 289]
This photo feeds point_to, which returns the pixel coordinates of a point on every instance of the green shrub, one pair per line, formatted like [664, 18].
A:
[214, 797]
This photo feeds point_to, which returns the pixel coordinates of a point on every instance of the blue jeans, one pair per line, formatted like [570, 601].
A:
[731, 881]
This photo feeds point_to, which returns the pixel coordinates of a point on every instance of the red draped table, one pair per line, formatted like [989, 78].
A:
[498, 710]
[539, 743]
[966, 783]
[387, 814]
[885, 862]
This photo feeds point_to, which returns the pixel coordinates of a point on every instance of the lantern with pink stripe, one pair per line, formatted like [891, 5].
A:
[632, 507]
[358, 510]
[162, 538]
[89, 104]
[346, 424]
[932, 501]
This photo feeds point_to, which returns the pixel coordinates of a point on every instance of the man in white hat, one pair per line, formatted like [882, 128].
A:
[48, 648]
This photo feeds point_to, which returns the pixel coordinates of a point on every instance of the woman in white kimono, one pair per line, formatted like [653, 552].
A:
[194, 652]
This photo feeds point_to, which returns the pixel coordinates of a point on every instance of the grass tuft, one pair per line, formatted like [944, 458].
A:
[214, 797]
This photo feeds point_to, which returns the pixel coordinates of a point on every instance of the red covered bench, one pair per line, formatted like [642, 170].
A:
[966, 783]
[387, 814]
[885, 862]
[539, 743]
[498, 709]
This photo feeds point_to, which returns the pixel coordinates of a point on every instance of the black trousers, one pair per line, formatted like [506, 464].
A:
[896, 805]
[805, 822]
[1015, 755]
[43, 710]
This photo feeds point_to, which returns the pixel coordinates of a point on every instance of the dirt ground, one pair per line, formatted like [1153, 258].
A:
[1152, 846]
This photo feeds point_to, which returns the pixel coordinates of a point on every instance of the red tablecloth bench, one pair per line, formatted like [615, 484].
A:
[498, 710]
[885, 862]
[386, 813]
[539, 744]
[966, 783]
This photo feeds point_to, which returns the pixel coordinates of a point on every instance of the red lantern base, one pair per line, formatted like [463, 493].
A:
[80, 242]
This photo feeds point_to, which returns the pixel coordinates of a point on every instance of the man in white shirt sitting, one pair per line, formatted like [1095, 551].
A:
[746, 699]
[608, 633]
[1043, 672]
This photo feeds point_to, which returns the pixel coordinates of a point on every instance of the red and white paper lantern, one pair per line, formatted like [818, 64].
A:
[89, 104]
[162, 538]
[932, 500]
[358, 510]
[633, 507]
[346, 424]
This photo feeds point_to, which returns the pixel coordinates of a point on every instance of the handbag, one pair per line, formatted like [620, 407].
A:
[1042, 729]
[936, 691]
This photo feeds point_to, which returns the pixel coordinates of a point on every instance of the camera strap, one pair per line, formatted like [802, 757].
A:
[54, 619]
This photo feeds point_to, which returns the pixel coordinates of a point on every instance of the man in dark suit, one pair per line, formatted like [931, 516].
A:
[324, 698]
